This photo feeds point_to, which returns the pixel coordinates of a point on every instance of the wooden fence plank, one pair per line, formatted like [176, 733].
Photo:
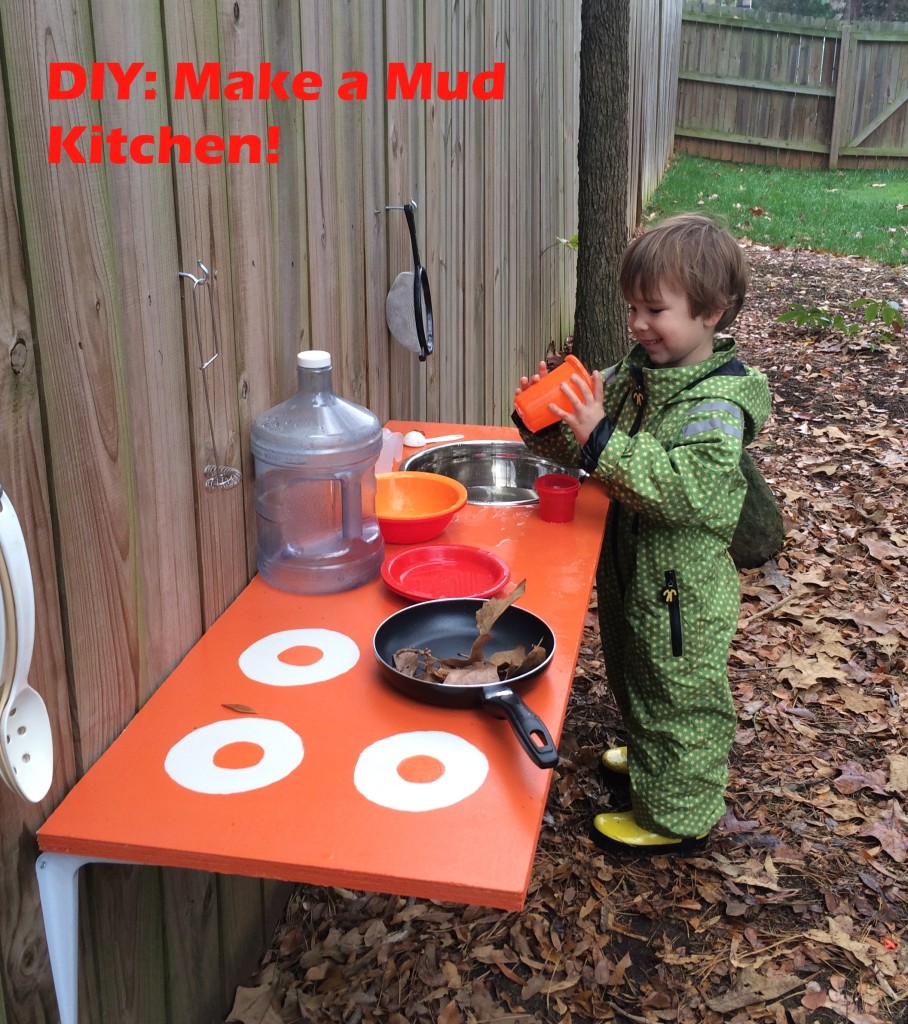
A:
[551, 37]
[437, 203]
[570, 93]
[846, 57]
[327, 298]
[287, 218]
[251, 287]
[346, 129]
[670, 31]
[261, 374]
[566, 75]
[192, 39]
[471, 325]
[445, 50]
[124, 976]
[144, 250]
[404, 33]
[825, 75]
[653, 158]
[195, 988]
[728, 57]
[502, 361]
[635, 111]
[533, 229]
[372, 121]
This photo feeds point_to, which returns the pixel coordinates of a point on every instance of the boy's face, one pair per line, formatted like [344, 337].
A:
[663, 325]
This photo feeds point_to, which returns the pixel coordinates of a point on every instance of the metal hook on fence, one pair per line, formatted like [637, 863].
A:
[412, 204]
[217, 475]
[408, 307]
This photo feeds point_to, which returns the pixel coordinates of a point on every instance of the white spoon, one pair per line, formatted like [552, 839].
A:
[26, 740]
[417, 439]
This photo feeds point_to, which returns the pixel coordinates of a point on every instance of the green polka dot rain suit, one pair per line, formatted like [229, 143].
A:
[667, 588]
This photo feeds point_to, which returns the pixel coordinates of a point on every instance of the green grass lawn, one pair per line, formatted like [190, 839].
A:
[850, 213]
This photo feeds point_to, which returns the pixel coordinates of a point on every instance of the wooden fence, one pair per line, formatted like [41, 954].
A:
[655, 33]
[104, 430]
[796, 92]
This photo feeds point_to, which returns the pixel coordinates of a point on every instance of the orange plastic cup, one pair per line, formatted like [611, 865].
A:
[533, 403]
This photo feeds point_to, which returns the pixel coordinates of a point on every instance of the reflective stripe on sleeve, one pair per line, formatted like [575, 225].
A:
[699, 426]
[716, 406]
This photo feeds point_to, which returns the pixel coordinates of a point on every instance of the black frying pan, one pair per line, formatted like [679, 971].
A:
[448, 628]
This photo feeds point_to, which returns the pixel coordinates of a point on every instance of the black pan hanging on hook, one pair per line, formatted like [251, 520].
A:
[408, 308]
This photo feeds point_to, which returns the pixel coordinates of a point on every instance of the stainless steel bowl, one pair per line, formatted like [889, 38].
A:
[493, 472]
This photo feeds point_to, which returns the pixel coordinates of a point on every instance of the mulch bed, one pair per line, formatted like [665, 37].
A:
[796, 910]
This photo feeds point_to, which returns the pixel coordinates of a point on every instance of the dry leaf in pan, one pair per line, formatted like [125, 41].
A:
[491, 611]
[474, 669]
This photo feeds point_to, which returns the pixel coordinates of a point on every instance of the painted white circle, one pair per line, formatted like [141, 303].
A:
[190, 761]
[376, 774]
[260, 661]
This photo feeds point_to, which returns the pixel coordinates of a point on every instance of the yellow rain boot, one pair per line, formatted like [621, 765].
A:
[618, 832]
[613, 773]
[614, 760]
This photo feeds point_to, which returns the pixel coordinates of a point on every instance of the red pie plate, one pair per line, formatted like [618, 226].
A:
[444, 570]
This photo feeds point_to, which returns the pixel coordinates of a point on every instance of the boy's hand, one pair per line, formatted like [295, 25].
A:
[586, 410]
[526, 382]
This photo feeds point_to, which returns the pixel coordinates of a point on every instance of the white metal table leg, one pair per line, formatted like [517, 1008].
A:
[58, 886]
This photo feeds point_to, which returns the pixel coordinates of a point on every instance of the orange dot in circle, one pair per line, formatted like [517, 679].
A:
[241, 754]
[301, 655]
[420, 768]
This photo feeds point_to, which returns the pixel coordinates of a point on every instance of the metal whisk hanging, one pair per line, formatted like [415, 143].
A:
[217, 475]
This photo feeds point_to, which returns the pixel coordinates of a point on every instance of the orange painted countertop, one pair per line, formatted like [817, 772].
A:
[312, 815]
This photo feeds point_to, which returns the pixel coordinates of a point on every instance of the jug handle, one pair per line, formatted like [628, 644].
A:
[351, 508]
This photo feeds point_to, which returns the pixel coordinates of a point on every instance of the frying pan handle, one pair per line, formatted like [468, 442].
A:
[534, 737]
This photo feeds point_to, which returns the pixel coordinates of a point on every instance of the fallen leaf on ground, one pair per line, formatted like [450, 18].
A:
[752, 987]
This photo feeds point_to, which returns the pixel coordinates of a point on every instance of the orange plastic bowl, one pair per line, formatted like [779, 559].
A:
[413, 507]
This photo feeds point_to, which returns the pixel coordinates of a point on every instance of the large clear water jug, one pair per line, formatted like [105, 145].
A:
[315, 457]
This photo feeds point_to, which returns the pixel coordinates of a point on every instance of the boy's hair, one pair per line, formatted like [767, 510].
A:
[694, 254]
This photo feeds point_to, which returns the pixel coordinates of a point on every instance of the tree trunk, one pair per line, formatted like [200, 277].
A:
[600, 319]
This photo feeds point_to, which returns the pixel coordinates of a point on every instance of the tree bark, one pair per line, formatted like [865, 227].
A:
[600, 319]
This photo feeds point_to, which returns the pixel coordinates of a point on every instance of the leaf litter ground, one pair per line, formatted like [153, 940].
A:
[796, 911]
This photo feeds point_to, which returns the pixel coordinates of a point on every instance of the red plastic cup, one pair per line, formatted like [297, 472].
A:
[557, 496]
[533, 403]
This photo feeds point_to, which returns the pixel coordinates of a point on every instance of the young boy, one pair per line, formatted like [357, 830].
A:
[663, 430]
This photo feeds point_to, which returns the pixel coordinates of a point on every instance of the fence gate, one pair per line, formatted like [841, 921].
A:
[799, 92]
[870, 122]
